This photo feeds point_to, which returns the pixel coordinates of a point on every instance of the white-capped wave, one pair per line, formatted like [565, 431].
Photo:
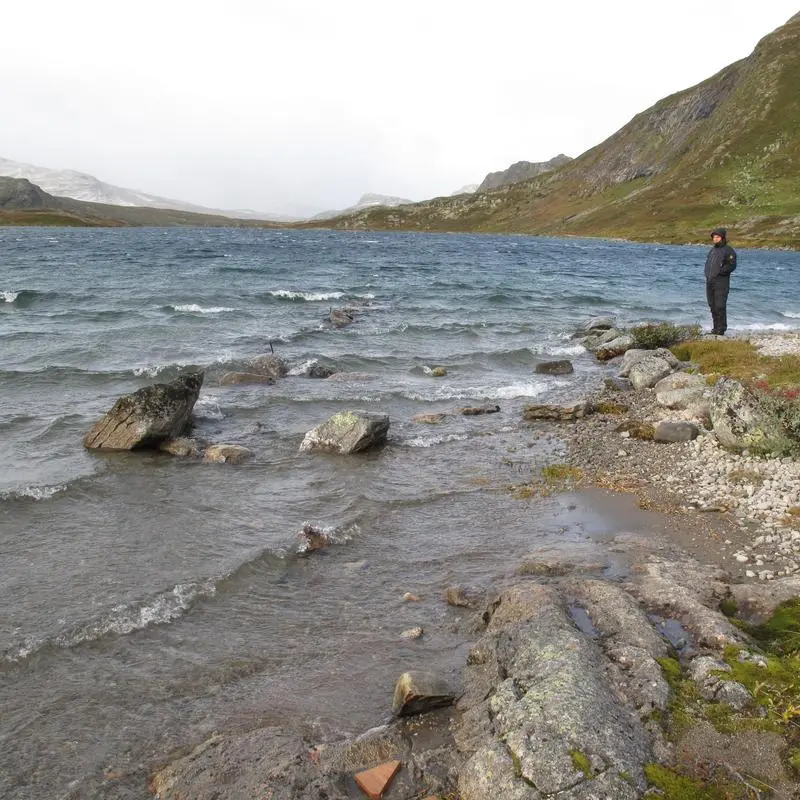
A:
[122, 619]
[430, 441]
[33, 492]
[480, 393]
[193, 308]
[310, 296]
[302, 369]
[774, 326]
[564, 350]
[207, 407]
[151, 370]
[791, 314]
[8, 296]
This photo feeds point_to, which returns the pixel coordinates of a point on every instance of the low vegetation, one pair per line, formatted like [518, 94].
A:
[662, 334]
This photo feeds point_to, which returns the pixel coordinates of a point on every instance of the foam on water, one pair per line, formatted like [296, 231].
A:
[193, 308]
[791, 314]
[207, 407]
[764, 326]
[32, 492]
[9, 297]
[431, 441]
[288, 294]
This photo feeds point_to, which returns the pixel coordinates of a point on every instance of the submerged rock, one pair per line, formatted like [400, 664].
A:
[348, 432]
[560, 367]
[226, 454]
[147, 417]
[340, 317]
[235, 378]
[474, 411]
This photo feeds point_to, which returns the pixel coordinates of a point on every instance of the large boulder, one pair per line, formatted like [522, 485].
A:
[648, 371]
[347, 432]
[147, 417]
[741, 420]
[681, 390]
[637, 354]
[269, 365]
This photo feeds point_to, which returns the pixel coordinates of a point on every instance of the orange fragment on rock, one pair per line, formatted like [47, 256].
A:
[375, 781]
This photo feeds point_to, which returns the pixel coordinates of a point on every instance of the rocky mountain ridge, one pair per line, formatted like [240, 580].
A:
[726, 151]
[521, 171]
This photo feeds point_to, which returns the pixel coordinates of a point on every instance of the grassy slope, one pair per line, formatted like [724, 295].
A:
[726, 151]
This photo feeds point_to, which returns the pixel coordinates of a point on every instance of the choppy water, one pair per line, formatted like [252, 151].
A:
[145, 600]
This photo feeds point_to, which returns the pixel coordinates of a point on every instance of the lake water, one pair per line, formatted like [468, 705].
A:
[146, 601]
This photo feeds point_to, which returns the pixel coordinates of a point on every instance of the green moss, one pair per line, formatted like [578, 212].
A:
[678, 787]
[781, 632]
[672, 671]
[582, 763]
[558, 473]
[610, 407]
[728, 607]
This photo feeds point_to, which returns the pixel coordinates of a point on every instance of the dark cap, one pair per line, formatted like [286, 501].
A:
[723, 232]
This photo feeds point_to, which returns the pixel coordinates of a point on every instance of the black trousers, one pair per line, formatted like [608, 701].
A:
[717, 295]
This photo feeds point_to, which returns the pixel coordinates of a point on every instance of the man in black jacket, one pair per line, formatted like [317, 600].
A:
[721, 261]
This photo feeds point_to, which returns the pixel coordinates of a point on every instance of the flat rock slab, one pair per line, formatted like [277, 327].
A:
[235, 378]
[558, 413]
[675, 432]
[147, 417]
[375, 781]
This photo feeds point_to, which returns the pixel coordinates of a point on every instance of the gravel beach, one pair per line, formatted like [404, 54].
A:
[743, 511]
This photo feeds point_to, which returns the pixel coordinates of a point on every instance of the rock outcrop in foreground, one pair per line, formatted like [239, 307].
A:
[147, 417]
[570, 691]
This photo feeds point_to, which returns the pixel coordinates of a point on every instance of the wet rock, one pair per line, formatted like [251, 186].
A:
[560, 367]
[147, 417]
[270, 365]
[534, 411]
[348, 432]
[456, 596]
[226, 454]
[473, 411]
[409, 597]
[597, 339]
[413, 633]
[341, 317]
[756, 602]
[182, 447]
[238, 378]
[596, 324]
[648, 371]
[428, 419]
[675, 432]
[554, 698]
[317, 370]
[438, 372]
[417, 692]
[312, 538]
[616, 347]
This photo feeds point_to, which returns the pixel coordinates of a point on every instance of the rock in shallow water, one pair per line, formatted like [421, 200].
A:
[147, 417]
[347, 432]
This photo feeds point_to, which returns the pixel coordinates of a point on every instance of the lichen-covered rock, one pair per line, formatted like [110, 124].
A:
[616, 347]
[181, 447]
[571, 413]
[636, 354]
[680, 390]
[147, 417]
[598, 338]
[347, 432]
[740, 420]
[648, 371]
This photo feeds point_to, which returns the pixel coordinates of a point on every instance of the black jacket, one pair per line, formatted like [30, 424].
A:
[721, 261]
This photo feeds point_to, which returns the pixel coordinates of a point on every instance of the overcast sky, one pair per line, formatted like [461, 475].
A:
[290, 105]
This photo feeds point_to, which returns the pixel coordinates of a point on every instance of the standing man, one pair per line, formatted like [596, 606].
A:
[721, 261]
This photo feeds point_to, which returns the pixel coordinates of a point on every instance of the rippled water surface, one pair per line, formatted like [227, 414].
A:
[146, 600]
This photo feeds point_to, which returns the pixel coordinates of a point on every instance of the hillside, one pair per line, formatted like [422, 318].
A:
[521, 171]
[23, 203]
[724, 152]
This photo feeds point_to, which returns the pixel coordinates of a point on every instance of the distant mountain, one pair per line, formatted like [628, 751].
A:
[521, 171]
[24, 203]
[723, 152]
[80, 186]
[368, 200]
[468, 189]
